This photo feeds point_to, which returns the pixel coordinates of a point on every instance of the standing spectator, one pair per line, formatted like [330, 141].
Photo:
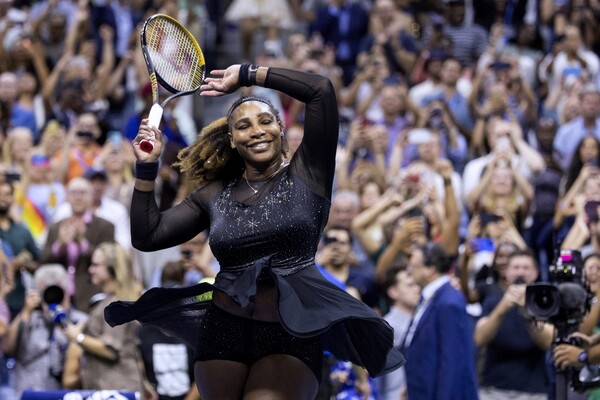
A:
[345, 205]
[402, 290]
[546, 195]
[432, 64]
[450, 95]
[80, 148]
[16, 150]
[116, 159]
[9, 94]
[439, 340]
[515, 356]
[502, 190]
[343, 24]
[273, 16]
[508, 13]
[572, 59]
[72, 240]
[389, 35]
[102, 207]
[22, 245]
[505, 141]
[111, 358]
[335, 261]
[570, 134]
[469, 40]
[38, 195]
[35, 337]
[6, 284]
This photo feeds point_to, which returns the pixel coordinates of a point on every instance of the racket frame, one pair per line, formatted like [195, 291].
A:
[156, 111]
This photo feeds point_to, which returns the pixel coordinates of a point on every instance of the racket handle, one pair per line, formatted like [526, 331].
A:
[155, 115]
[154, 118]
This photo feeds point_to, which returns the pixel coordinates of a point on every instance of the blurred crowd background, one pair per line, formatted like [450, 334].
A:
[473, 125]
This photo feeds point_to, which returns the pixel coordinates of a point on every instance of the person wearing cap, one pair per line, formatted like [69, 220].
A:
[35, 337]
[102, 206]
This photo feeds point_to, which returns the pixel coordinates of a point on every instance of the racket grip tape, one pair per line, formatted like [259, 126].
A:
[154, 118]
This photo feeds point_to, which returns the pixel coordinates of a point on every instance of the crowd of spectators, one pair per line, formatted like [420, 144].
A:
[470, 126]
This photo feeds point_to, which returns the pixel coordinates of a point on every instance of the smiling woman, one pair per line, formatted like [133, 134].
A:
[271, 312]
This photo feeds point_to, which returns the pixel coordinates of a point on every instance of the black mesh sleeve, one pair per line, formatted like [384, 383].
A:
[153, 230]
[314, 160]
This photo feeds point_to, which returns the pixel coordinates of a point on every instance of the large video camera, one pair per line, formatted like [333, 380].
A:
[564, 302]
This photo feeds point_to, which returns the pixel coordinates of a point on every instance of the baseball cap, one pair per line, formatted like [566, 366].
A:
[95, 173]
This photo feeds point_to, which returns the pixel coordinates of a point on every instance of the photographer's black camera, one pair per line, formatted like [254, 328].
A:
[565, 300]
[53, 296]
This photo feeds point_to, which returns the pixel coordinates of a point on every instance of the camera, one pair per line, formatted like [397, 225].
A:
[565, 300]
[53, 296]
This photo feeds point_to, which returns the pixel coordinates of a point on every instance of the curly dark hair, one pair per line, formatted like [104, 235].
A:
[211, 157]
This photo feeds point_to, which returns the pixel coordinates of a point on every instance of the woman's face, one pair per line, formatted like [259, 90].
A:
[21, 145]
[114, 161]
[591, 188]
[431, 213]
[256, 133]
[370, 194]
[592, 271]
[99, 268]
[502, 181]
[588, 150]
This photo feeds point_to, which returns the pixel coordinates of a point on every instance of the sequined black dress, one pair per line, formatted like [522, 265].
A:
[275, 231]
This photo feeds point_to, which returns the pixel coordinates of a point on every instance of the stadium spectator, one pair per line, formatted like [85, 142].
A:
[513, 344]
[72, 240]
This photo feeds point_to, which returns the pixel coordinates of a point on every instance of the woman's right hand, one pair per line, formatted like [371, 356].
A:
[146, 132]
[221, 82]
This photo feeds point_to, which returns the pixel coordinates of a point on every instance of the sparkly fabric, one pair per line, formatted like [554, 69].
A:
[274, 231]
[230, 337]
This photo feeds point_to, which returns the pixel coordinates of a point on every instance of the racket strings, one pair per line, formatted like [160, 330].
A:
[176, 56]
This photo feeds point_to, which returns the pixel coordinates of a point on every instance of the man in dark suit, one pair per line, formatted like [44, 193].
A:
[439, 341]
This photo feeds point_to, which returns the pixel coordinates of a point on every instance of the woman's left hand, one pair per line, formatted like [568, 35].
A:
[221, 82]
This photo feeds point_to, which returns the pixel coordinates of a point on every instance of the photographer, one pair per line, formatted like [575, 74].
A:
[35, 337]
[515, 356]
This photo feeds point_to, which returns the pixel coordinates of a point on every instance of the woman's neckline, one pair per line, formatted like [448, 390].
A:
[282, 166]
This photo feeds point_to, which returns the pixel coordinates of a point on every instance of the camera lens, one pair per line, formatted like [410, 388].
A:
[53, 295]
[542, 301]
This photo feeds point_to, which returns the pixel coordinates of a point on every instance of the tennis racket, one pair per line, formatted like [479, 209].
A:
[174, 59]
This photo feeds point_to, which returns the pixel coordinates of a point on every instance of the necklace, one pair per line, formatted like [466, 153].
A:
[254, 191]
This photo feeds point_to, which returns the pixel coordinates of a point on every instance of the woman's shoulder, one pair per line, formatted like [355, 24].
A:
[206, 192]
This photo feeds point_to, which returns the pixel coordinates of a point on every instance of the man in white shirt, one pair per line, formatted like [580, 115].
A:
[103, 207]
